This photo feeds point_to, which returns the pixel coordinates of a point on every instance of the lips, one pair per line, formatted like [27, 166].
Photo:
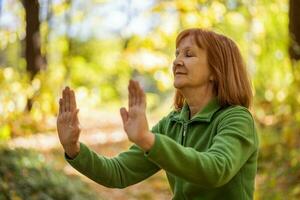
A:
[180, 73]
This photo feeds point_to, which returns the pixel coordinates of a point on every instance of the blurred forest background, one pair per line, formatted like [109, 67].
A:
[96, 46]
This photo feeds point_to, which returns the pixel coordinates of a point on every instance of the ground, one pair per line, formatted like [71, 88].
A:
[103, 133]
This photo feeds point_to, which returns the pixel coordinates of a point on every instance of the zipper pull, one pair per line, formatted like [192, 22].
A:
[184, 130]
[184, 133]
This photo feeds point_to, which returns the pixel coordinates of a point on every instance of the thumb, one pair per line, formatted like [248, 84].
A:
[124, 115]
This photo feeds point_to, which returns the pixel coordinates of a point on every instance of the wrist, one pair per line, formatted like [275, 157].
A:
[148, 141]
[72, 150]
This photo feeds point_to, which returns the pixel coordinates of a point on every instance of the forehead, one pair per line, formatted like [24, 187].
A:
[187, 42]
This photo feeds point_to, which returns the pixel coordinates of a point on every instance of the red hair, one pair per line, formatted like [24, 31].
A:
[231, 82]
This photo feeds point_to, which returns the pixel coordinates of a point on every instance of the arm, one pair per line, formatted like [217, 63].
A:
[234, 143]
[126, 169]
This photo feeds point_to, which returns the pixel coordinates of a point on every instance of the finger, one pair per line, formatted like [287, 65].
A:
[64, 95]
[60, 106]
[134, 92]
[75, 123]
[124, 115]
[130, 94]
[142, 96]
[68, 99]
[75, 120]
[139, 93]
[72, 101]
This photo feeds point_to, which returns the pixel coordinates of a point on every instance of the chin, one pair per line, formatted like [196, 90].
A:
[178, 85]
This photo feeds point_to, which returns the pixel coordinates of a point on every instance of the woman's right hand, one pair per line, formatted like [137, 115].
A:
[68, 123]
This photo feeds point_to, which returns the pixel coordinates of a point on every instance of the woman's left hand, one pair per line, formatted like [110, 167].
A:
[134, 120]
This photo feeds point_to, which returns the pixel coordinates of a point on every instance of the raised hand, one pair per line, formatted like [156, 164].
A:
[68, 123]
[134, 120]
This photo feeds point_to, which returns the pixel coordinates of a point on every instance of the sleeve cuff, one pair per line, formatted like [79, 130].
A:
[83, 149]
[155, 148]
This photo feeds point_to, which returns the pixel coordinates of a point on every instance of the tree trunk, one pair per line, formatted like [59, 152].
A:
[294, 30]
[291, 135]
[34, 60]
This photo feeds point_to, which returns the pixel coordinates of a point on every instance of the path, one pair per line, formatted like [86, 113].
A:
[102, 132]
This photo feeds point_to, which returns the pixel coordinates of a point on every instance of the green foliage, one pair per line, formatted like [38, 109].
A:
[278, 169]
[25, 174]
[99, 69]
[4, 132]
[13, 103]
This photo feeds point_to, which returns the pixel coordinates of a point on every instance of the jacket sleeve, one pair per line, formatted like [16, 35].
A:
[234, 143]
[128, 168]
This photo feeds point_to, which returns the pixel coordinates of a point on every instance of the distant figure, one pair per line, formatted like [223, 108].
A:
[208, 145]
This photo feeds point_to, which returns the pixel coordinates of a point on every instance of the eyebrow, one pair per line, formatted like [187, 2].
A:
[185, 48]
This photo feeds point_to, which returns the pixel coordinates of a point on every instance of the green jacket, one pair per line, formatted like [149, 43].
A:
[211, 156]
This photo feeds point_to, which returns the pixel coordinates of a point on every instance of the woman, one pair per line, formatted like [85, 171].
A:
[208, 145]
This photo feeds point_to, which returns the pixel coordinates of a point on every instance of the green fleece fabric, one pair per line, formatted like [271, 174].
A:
[211, 156]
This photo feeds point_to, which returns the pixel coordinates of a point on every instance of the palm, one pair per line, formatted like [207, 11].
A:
[67, 120]
[134, 120]
[137, 121]
[66, 129]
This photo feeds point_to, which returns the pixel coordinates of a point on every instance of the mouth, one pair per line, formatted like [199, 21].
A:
[179, 73]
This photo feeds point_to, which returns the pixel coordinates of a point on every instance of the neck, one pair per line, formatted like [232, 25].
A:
[200, 100]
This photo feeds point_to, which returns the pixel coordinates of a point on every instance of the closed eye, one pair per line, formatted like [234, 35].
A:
[189, 54]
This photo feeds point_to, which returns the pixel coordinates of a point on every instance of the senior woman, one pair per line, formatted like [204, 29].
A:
[208, 145]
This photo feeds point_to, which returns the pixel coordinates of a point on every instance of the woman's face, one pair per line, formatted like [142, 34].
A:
[190, 67]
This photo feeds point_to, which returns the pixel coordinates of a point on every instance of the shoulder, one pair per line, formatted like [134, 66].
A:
[238, 120]
[236, 111]
[236, 116]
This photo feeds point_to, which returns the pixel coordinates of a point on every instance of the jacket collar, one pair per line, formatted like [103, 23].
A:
[205, 115]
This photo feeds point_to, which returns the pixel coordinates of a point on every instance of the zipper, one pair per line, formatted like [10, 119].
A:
[184, 133]
[184, 124]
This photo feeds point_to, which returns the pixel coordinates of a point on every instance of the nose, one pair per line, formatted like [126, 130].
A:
[177, 62]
